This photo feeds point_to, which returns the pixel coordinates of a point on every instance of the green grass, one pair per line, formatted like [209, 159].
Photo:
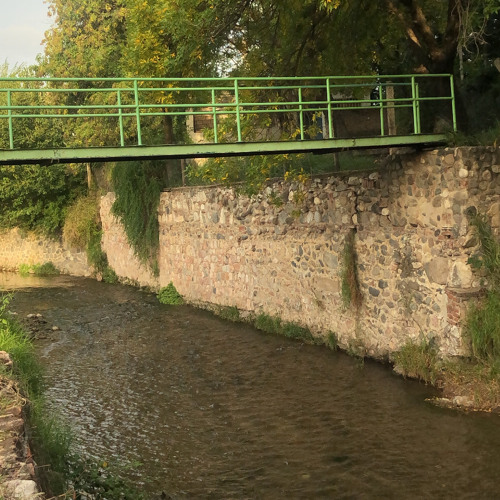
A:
[229, 313]
[483, 328]
[275, 326]
[418, 360]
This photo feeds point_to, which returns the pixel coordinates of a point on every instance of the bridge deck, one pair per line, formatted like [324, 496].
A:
[104, 154]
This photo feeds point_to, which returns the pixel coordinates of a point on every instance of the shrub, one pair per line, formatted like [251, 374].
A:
[46, 269]
[169, 295]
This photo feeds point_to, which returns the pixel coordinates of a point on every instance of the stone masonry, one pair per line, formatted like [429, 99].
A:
[19, 247]
[282, 252]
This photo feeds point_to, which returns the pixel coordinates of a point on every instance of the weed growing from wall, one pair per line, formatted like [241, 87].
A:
[483, 318]
[418, 360]
[332, 341]
[170, 296]
[138, 186]
[274, 325]
[351, 293]
[229, 313]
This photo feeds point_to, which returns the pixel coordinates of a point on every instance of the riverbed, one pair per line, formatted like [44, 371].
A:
[198, 407]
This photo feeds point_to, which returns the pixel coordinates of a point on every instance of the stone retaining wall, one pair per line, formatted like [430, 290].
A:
[120, 254]
[19, 247]
[282, 252]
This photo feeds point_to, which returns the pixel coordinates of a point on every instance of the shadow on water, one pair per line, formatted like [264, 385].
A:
[202, 408]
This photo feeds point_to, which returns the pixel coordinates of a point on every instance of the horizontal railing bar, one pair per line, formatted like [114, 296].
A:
[224, 79]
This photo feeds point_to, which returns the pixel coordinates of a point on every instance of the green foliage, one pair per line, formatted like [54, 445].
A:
[45, 269]
[351, 293]
[99, 480]
[82, 229]
[484, 137]
[82, 221]
[489, 257]
[483, 328]
[138, 187]
[229, 313]
[332, 341]
[483, 319]
[169, 295]
[36, 198]
[418, 360]
[24, 269]
[268, 324]
[274, 325]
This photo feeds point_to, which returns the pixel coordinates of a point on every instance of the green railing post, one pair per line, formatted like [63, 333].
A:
[417, 95]
[120, 117]
[137, 112]
[301, 115]
[237, 104]
[381, 104]
[415, 105]
[453, 103]
[9, 114]
[214, 112]
[329, 100]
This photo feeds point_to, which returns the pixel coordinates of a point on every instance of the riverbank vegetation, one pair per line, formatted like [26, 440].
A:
[59, 471]
[45, 269]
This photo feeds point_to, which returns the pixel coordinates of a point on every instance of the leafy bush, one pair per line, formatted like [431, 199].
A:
[46, 269]
[36, 198]
[82, 221]
[169, 295]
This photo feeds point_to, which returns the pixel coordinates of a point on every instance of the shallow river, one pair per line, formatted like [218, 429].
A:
[203, 408]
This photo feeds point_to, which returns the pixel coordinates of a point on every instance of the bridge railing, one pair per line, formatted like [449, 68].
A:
[132, 111]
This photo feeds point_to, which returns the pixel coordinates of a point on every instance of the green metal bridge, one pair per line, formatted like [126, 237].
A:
[70, 120]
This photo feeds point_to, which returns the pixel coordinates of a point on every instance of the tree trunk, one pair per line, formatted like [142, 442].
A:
[168, 128]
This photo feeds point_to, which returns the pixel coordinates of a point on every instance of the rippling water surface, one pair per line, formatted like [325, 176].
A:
[202, 408]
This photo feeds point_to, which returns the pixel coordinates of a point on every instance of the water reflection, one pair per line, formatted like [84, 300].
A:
[218, 410]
